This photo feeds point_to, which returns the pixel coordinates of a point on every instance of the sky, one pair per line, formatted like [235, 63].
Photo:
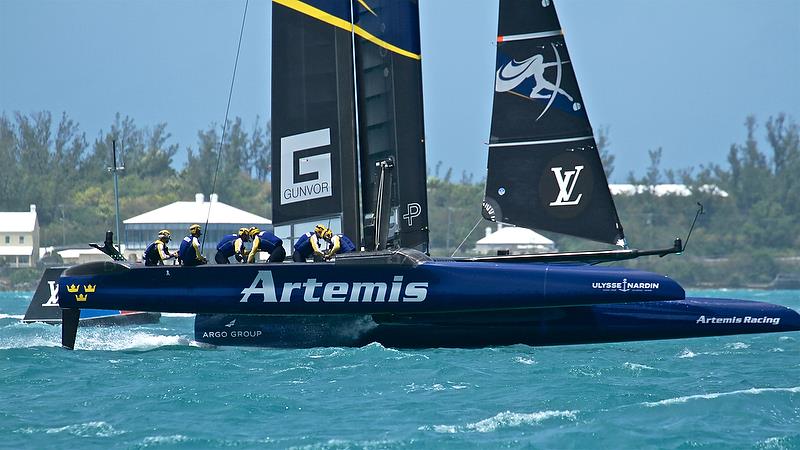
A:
[678, 74]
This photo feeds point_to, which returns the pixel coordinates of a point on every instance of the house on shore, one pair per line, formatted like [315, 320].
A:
[141, 230]
[19, 238]
[515, 240]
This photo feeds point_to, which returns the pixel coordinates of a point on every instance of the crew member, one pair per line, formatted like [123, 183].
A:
[264, 241]
[308, 245]
[156, 253]
[232, 245]
[337, 243]
[189, 252]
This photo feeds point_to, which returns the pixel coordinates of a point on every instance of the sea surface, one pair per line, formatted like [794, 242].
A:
[151, 386]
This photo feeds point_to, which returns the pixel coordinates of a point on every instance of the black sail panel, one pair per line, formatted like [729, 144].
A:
[553, 187]
[389, 90]
[536, 94]
[544, 169]
[313, 127]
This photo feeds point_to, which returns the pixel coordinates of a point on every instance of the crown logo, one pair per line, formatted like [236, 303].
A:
[89, 287]
[73, 287]
[81, 297]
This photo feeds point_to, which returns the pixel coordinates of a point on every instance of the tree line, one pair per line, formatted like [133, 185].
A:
[744, 237]
[51, 163]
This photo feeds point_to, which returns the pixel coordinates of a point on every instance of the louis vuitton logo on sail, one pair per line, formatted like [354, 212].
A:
[566, 185]
[306, 166]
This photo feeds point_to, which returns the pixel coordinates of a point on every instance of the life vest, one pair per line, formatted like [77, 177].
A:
[227, 245]
[187, 251]
[151, 253]
[303, 245]
[268, 242]
[345, 244]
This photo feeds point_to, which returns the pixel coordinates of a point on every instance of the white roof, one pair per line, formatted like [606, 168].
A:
[660, 190]
[197, 212]
[17, 222]
[74, 253]
[16, 250]
[515, 236]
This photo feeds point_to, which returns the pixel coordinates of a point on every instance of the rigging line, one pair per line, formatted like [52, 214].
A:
[466, 237]
[224, 124]
[699, 212]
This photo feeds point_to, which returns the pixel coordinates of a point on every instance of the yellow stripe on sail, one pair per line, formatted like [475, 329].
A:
[381, 43]
[316, 13]
[319, 14]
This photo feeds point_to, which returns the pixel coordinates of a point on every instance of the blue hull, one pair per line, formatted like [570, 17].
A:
[411, 301]
[388, 288]
[692, 317]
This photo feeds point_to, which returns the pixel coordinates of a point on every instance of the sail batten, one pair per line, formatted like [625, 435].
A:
[527, 36]
[543, 141]
[544, 168]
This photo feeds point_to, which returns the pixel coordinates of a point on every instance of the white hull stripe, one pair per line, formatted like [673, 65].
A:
[522, 37]
[549, 141]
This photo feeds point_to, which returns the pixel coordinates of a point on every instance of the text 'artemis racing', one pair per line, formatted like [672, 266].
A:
[314, 291]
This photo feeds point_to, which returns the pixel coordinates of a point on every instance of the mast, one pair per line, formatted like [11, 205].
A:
[114, 169]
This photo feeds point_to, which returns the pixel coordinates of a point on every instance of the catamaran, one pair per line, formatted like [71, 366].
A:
[348, 150]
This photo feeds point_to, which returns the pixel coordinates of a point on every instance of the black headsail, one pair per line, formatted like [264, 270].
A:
[389, 83]
[544, 168]
[313, 117]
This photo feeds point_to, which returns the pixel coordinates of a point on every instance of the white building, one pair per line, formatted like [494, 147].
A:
[19, 238]
[176, 217]
[516, 240]
[660, 190]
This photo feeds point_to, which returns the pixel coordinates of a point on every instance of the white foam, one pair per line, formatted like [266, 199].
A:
[686, 353]
[737, 345]
[413, 387]
[177, 315]
[751, 391]
[505, 419]
[173, 439]
[116, 340]
[12, 316]
[637, 367]
[526, 361]
[88, 429]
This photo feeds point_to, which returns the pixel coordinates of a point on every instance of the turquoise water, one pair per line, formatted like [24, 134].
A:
[152, 387]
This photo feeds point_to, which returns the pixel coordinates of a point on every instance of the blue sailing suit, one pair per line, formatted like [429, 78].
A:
[156, 253]
[189, 252]
[306, 246]
[229, 245]
[340, 244]
[267, 242]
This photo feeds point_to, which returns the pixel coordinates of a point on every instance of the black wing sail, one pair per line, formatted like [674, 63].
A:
[544, 168]
[389, 83]
[313, 126]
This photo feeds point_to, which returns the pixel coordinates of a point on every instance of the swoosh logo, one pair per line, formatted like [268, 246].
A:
[513, 73]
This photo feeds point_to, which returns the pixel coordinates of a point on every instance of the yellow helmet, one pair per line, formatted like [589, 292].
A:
[254, 231]
[243, 232]
[327, 234]
[195, 228]
[319, 229]
[165, 233]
